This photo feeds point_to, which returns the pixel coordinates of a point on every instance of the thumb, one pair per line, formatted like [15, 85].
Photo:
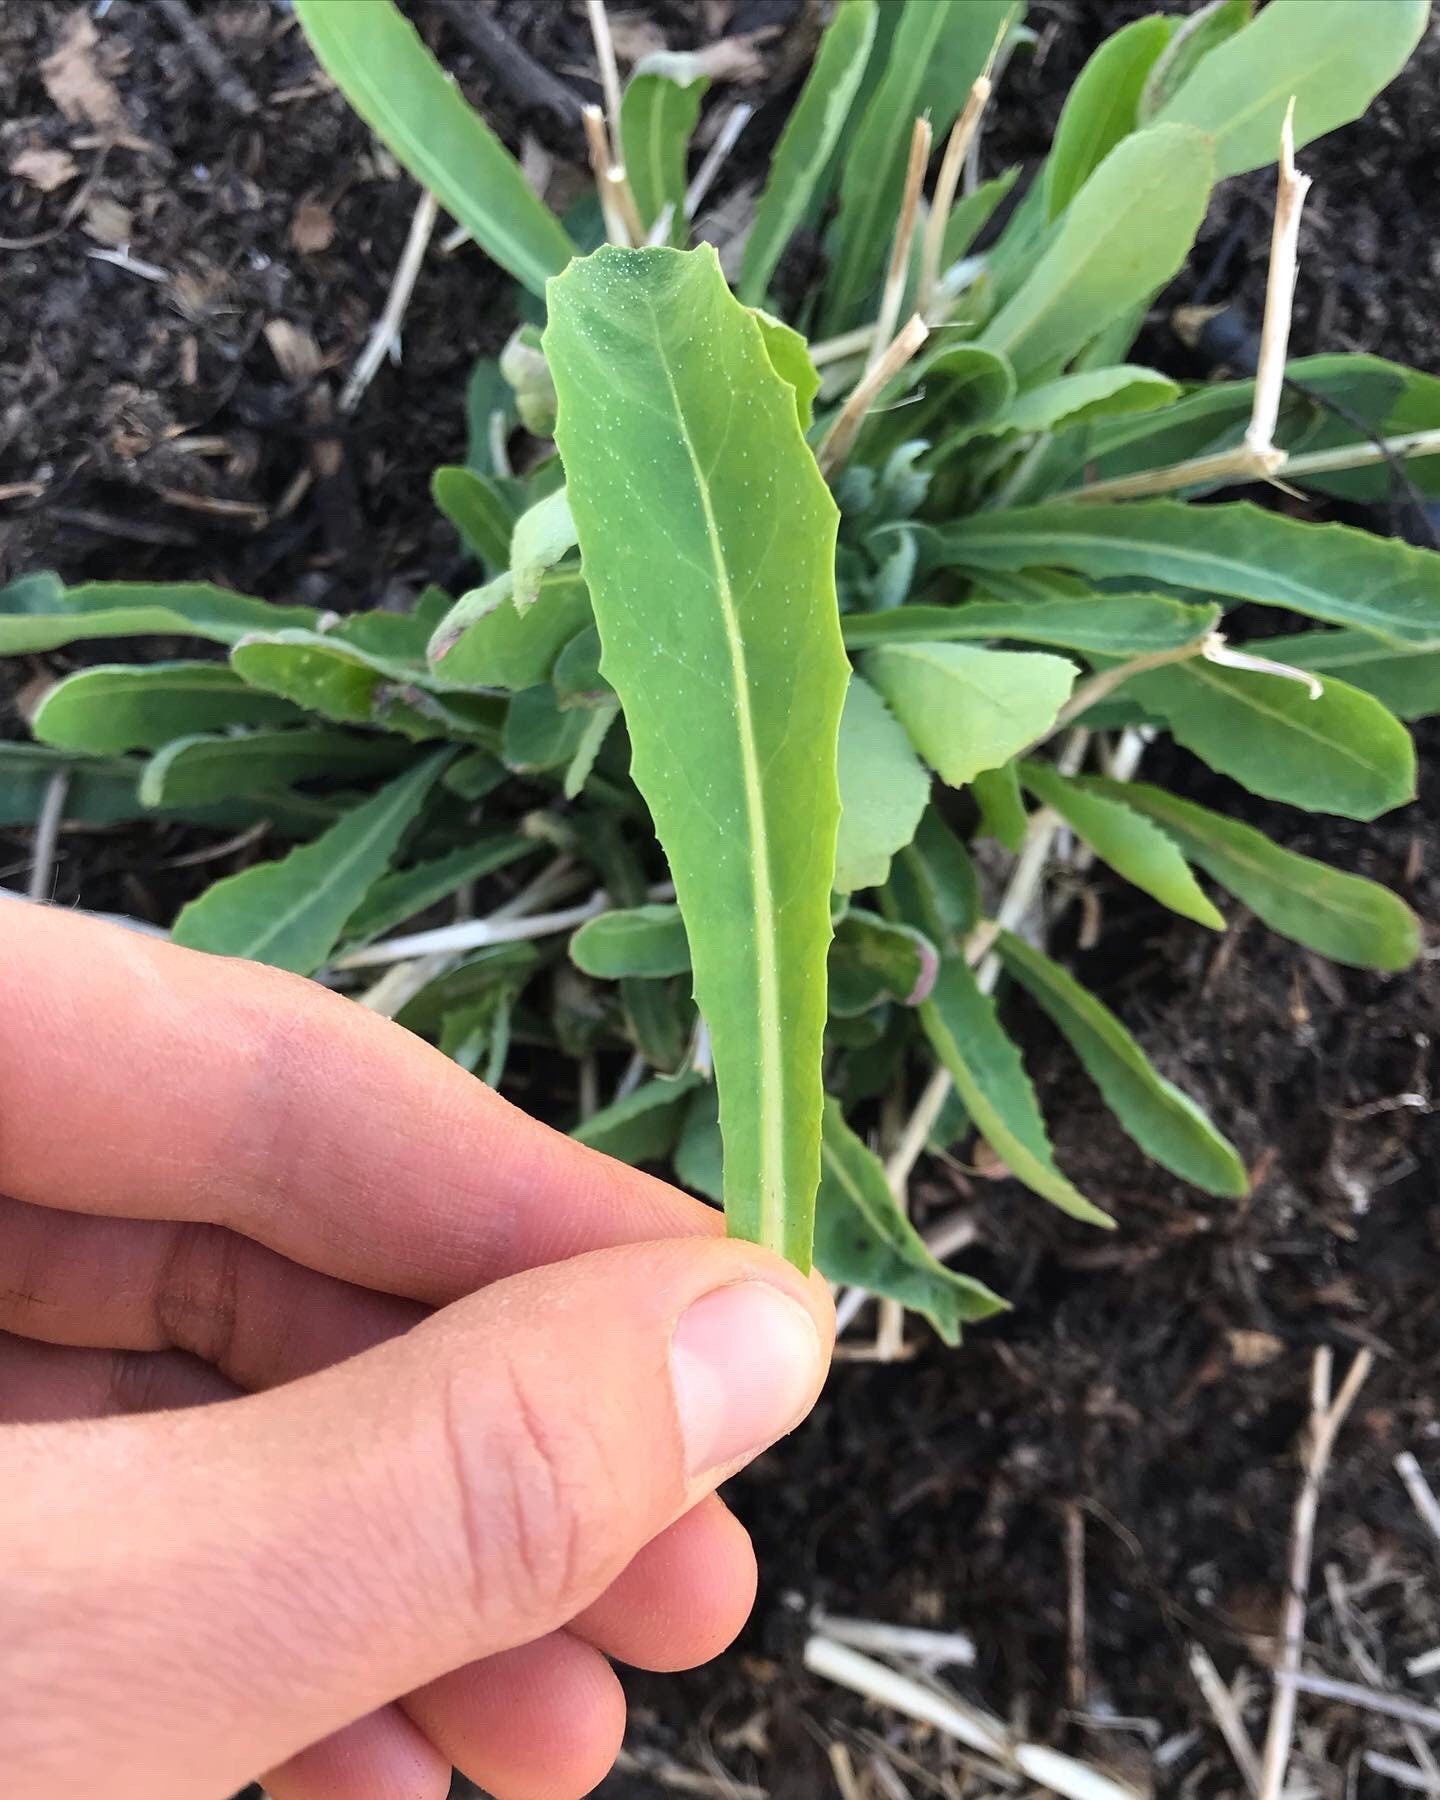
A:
[206, 1592]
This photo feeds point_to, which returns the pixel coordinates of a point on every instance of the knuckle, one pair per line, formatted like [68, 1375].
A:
[530, 1493]
[197, 1292]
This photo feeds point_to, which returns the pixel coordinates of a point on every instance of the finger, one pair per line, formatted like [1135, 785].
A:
[294, 1560]
[40, 1383]
[384, 1756]
[542, 1722]
[142, 1079]
[150, 1284]
[682, 1599]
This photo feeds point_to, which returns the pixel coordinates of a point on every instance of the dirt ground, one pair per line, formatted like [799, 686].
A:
[1104, 1479]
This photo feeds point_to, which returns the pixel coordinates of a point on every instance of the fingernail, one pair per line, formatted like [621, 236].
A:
[744, 1362]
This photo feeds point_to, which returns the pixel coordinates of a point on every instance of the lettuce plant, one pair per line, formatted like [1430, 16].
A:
[771, 632]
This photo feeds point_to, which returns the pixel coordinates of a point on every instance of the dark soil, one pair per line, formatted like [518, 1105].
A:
[1141, 1404]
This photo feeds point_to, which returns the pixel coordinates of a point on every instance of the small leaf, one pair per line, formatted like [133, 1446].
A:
[405, 892]
[1332, 58]
[939, 48]
[1102, 106]
[1091, 394]
[375, 57]
[1196, 36]
[538, 736]
[1344, 917]
[543, 534]
[790, 358]
[1097, 264]
[634, 940]
[291, 913]
[198, 770]
[1165, 1123]
[644, 1126]
[576, 676]
[474, 775]
[493, 645]
[970, 215]
[953, 394]
[872, 960]
[118, 706]
[990, 1078]
[933, 885]
[1130, 843]
[1339, 753]
[486, 393]
[661, 1018]
[499, 968]
[1408, 682]
[113, 609]
[1112, 624]
[967, 709]
[811, 134]
[479, 510]
[1330, 572]
[658, 116]
[598, 721]
[883, 789]
[862, 1237]
[708, 539]
[1002, 810]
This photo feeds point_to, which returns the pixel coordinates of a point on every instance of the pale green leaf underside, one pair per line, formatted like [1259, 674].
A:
[1329, 572]
[106, 609]
[990, 1078]
[967, 709]
[1164, 1122]
[375, 57]
[708, 540]
[292, 912]
[543, 534]
[633, 940]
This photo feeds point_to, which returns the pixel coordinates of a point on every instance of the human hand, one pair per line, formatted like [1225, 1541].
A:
[279, 1488]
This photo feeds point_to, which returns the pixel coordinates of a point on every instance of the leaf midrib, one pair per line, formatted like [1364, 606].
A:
[770, 1063]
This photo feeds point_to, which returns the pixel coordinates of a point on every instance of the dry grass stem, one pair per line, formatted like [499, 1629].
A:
[597, 143]
[736, 120]
[1326, 1418]
[47, 836]
[387, 327]
[898, 273]
[840, 438]
[609, 73]
[1421, 1493]
[1279, 294]
[947, 185]
[1353, 1693]
[1226, 1715]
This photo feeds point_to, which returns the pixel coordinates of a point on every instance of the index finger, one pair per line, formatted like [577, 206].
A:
[143, 1080]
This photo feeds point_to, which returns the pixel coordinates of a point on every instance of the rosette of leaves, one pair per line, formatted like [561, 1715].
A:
[708, 746]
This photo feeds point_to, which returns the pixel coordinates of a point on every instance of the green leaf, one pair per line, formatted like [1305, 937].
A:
[106, 609]
[883, 789]
[954, 394]
[1165, 1123]
[939, 48]
[1111, 624]
[933, 885]
[479, 510]
[538, 735]
[1330, 572]
[120, 706]
[1339, 753]
[661, 1019]
[1194, 39]
[967, 709]
[790, 358]
[1002, 810]
[644, 1126]
[491, 644]
[291, 913]
[700, 1153]
[543, 534]
[1097, 263]
[598, 721]
[499, 968]
[1344, 917]
[474, 775]
[862, 1237]
[192, 771]
[632, 940]
[375, 57]
[708, 539]
[990, 1078]
[486, 393]
[1332, 56]
[1092, 394]
[1407, 681]
[1130, 843]
[873, 960]
[811, 134]
[1102, 107]
[969, 216]
[405, 892]
[576, 675]
[658, 116]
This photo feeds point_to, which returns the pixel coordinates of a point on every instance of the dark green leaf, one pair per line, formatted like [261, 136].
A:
[1002, 810]
[498, 967]
[873, 960]
[198, 770]
[644, 1126]
[538, 736]
[933, 885]
[105, 609]
[479, 510]
[399, 896]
